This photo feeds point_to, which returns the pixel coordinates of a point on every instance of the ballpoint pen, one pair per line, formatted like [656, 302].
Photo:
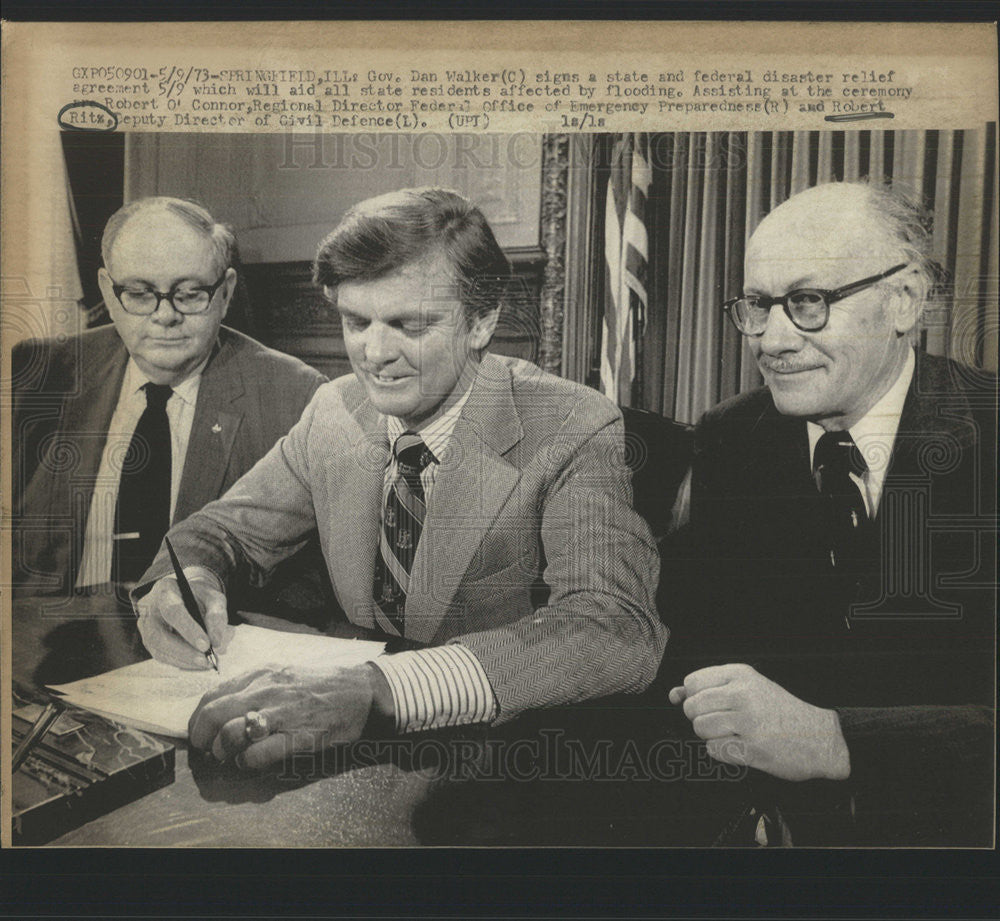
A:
[190, 602]
[48, 716]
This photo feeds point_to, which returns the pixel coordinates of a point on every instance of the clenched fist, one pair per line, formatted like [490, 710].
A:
[746, 718]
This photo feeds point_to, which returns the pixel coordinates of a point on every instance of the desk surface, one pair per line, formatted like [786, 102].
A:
[59, 640]
[518, 792]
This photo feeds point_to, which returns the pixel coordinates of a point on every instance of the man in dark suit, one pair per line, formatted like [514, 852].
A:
[839, 635]
[468, 502]
[125, 428]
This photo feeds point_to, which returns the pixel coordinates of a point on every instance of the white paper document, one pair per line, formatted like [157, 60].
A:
[160, 698]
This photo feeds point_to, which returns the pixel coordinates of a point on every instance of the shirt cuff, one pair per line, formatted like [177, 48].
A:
[437, 687]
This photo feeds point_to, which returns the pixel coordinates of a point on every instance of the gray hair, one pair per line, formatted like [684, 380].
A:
[907, 224]
[222, 238]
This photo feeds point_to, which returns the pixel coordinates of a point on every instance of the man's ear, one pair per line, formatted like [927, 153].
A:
[905, 304]
[228, 289]
[483, 328]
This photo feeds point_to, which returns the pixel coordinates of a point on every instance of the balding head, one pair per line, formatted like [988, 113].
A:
[825, 238]
[846, 226]
[149, 210]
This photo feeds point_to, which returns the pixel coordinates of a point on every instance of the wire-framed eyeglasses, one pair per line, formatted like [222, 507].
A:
[807, 308]
[185, 298]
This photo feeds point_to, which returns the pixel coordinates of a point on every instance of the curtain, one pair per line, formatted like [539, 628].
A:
[711, 189]
[42, 292]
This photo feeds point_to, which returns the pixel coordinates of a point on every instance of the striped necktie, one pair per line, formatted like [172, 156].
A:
[402, 522]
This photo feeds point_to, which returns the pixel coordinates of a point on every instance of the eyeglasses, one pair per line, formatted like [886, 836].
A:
[184, 298]
[807, 308]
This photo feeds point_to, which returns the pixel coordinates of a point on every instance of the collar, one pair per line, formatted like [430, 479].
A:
[435, 434]
[186, 390]
[875, 433]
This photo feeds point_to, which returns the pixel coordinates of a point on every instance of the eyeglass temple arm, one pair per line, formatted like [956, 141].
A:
[854, 286]
[838, 294]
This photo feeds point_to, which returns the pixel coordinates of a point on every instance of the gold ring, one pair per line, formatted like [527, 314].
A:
[256, 727]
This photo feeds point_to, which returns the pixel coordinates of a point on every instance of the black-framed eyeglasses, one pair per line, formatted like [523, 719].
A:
[187, 299]
[807, 308]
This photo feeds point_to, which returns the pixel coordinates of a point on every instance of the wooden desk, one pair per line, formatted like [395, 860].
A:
[56, 640]
[510, 787]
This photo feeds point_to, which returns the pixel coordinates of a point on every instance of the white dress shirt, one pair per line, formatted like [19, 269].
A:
[442, 685]
[874, 434]
[95, 566]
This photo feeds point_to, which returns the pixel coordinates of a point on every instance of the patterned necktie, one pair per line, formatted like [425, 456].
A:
[835, 459]
[142, 515]
[402, 521]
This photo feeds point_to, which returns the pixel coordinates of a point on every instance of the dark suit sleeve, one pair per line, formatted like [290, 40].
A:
[35, 388]
[41, 379]
[928, 772]
[695, 588]
[924, 773]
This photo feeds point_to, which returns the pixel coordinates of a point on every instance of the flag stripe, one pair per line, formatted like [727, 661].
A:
[627, 252]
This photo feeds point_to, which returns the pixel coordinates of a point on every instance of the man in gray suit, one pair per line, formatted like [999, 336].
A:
[464, 501]
[125, 428]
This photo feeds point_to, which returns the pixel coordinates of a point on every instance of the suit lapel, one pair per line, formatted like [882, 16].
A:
[785, 457]
[88, 414]
[933, 407]
[936, 421]
[218, 415]
[472, 484]
[355, 514]
[786, 500]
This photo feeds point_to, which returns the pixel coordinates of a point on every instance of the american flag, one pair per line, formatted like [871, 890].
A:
[626, 247]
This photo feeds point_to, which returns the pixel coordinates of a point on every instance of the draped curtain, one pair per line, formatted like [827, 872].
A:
[711, 189]
[42, 292]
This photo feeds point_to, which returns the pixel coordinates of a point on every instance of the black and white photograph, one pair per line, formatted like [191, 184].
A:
[698, 426]
[380, 483]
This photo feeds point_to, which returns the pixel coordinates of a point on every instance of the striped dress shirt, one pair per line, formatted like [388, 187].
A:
[442, 685]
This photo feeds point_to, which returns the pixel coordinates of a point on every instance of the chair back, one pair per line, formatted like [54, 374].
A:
[658, 452]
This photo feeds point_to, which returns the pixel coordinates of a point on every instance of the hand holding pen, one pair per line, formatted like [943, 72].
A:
[182, 620]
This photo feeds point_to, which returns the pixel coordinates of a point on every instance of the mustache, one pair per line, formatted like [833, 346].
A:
[784, 365]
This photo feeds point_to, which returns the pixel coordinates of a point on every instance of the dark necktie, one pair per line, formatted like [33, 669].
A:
[142, 514]
[835, 458]
[402, 522]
